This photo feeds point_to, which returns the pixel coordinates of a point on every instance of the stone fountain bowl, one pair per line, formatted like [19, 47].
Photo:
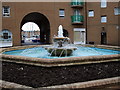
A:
[60, 51]
[60, 38]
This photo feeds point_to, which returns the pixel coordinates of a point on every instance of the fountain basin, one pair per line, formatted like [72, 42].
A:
[60, 38]
[58, 61]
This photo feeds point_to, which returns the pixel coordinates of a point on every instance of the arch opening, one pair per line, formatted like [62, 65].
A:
[37, 23]
[65, 33]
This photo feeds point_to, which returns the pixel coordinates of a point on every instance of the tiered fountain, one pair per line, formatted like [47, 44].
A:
[61, 45]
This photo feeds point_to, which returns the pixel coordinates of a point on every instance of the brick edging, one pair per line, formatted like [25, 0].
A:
[5, 84]
[88, 83]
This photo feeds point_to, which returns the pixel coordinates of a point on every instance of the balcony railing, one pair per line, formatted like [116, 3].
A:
[77, 19]
[78, 3]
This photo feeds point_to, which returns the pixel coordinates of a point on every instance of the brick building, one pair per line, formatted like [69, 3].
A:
[83, 22]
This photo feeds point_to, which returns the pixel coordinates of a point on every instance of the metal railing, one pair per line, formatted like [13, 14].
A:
[77, 3]
[77, 18]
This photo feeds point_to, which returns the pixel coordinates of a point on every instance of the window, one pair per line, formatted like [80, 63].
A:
[76, 12]
[6, 11]
[91, 13]
[103, 19]
[61, 13]
[103, 3]
[117, 11]
[5, 35]
[117, 27]
[6, 38]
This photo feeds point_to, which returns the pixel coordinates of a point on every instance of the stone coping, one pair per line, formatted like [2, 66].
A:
[99, 82]
[59, 61]
[5, 84]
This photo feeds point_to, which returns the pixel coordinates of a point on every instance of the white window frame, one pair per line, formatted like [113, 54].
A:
[76, 12]
[117, 10]
[104, 19]
[61, 12]
[103, 3]
[6, 14]
[91, 13]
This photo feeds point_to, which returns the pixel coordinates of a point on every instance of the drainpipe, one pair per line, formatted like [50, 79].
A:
[86, 19]
[118, 26]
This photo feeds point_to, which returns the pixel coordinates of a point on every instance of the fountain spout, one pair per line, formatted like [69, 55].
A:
[60, 31]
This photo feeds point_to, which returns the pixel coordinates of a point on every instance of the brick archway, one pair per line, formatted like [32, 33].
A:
[43, 23]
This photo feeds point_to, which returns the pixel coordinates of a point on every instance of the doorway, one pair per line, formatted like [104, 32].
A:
[103, 38]
[79, 36]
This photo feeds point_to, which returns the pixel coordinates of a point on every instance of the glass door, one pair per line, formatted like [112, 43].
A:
[79, 36]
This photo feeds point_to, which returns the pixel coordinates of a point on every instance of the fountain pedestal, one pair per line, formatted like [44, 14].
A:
[60, 51]
[61, 47]
[61, 41]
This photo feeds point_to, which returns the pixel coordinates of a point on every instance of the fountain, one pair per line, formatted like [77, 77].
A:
[61, 53]
[61, 45]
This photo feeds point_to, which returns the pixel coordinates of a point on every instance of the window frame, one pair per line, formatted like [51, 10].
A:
[89, 14]
[62, 11]
[77, 12]
[7, 8]
[103, 3]
[117, 11]
[5, 35]
[104, 19]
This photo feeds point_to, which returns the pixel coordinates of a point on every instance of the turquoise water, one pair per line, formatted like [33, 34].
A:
[39, 52]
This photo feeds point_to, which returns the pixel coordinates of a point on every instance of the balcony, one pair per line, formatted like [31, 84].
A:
[77, 4]
[77, 19]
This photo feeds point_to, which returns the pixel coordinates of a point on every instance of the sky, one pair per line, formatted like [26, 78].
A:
[30, 26]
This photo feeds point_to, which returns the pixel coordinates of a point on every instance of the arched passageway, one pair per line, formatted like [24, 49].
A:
[42, 22]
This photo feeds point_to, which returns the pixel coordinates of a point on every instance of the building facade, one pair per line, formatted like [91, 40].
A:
[83, 22]
[103, 25]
